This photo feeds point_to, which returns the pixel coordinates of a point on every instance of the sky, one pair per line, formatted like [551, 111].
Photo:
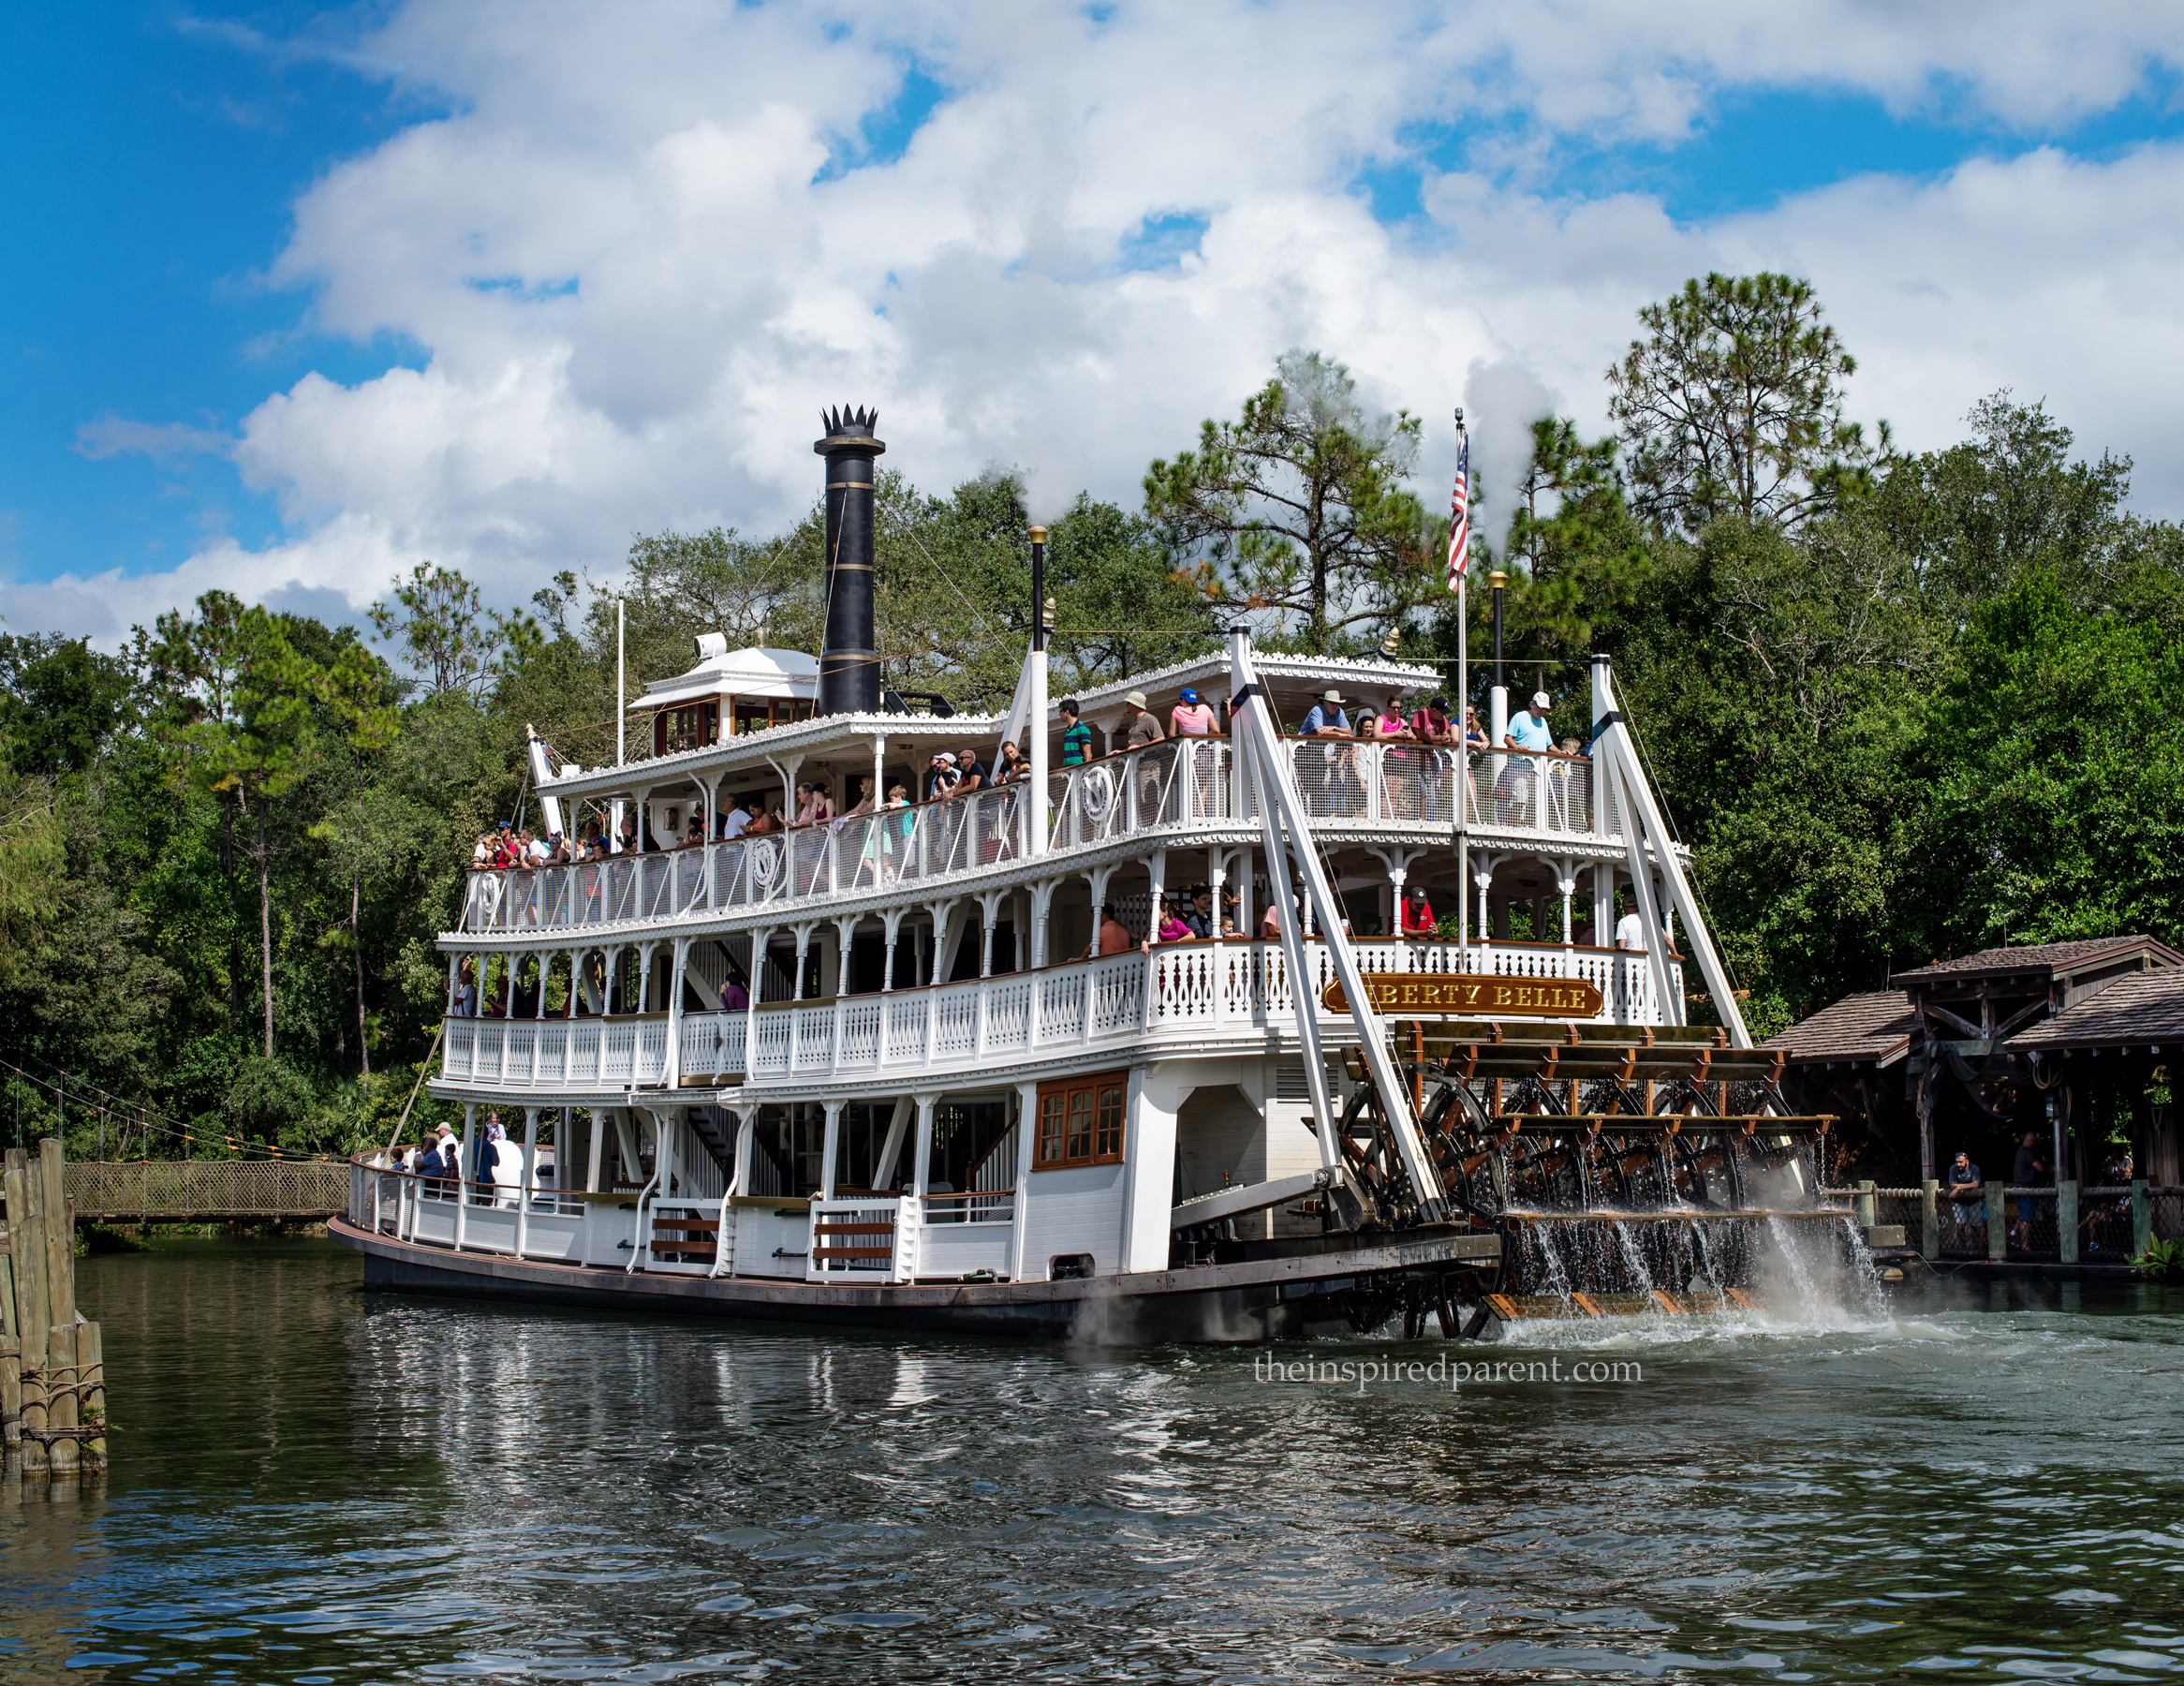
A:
[297, 298]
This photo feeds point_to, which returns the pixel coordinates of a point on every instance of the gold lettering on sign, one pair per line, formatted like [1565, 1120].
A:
[1430, 995]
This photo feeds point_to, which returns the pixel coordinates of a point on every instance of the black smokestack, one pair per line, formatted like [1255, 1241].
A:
[848, 663]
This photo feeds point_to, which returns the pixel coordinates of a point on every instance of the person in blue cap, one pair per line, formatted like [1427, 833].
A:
[1189, 718]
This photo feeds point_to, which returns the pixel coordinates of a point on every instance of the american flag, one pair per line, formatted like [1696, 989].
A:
[1460, 513]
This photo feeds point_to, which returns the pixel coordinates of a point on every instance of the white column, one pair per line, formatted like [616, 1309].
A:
[1042, 902]
[892, 924]
[1149, 1155]
[844, 935]
[597, 1146]
[922, 1162]
[1026, 1141]
[802, 953]
[529, 1179]
[830, 1152]
[989, 909]
[462, 1171]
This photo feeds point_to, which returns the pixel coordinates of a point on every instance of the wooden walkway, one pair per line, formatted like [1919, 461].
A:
[194, 1190]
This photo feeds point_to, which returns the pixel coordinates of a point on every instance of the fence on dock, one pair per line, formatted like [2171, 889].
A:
[198, 1190]
[2068, 1223]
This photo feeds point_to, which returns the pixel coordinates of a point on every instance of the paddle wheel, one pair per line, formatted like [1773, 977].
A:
[1626, 1168]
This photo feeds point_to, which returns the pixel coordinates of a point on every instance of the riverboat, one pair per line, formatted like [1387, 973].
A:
[879, 1070]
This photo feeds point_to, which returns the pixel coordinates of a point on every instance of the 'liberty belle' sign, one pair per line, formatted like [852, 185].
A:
[1432, 995]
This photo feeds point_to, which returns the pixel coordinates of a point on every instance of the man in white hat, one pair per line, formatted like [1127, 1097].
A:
[1326, 789]
[1143, 729]
[1520, 781]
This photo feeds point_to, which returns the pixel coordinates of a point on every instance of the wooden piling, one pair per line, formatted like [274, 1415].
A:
[60, 1233]
[27, 1250]
[91, 1371]
[11, 1399]
[61, 1455]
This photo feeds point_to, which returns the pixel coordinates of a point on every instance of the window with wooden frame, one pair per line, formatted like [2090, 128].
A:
[1080, 1122]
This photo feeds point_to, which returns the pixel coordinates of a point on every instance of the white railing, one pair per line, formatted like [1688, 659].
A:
[868, 1239]
[1182, 783]
[565, 1053]
[1185, 987]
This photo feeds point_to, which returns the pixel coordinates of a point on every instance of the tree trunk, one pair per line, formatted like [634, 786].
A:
[356, 928]
[265, 925]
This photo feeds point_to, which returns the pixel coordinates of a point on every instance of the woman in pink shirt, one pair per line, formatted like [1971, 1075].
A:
[1189, 718]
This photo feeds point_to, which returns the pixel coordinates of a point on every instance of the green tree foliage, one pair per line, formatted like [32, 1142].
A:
[1298, 512]
[1733, 404]
[1575, 551]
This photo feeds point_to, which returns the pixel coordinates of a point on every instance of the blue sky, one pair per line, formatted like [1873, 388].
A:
[236, 227]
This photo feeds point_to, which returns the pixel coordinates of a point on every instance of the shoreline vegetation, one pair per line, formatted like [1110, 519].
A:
[1901, 705]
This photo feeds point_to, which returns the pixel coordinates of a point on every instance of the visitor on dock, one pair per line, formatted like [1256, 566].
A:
[1112, 938]
[1964, 1180]
[1416, 915]
[1076, 735]
[1189, 718]
[2030, 1171]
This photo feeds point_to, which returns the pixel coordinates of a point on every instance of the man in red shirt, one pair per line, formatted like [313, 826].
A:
[1417, 914]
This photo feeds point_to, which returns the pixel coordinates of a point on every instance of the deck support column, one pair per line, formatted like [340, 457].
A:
[530, 1177]
[890, 921]
[1042, 905]
[922, 1155]
[1026, 1144]
[830, 1149]
[462, 1170]
[596, 1142]
[1566, 881]
[989, 913]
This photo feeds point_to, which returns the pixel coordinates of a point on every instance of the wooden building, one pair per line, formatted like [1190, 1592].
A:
[1946, 1053]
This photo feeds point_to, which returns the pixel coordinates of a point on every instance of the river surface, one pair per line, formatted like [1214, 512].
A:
[312, 1484]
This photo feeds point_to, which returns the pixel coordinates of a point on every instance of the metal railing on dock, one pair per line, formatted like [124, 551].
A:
[2068, 1223]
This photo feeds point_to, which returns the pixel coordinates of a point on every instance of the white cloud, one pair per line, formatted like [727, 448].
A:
[638, 266]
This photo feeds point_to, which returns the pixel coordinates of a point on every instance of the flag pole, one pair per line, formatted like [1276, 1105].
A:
[1463, 790]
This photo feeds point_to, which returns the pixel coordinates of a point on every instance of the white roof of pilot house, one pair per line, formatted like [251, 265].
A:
[754, 671]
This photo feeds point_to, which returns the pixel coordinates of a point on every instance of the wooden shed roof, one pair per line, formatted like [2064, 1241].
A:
[1874, 1028]
[2142, 1010]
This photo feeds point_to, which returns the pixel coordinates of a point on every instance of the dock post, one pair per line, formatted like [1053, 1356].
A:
[1867, 1208]
[60, 1233]
[1998, 1225]
[33, 1400]
[26, 1237]
[91, 1379]
[2142, 1218]
[61, 1455]
[1930, 1218]
[2066, 1222]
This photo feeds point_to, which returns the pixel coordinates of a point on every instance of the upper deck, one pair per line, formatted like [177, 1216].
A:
[1183, 792]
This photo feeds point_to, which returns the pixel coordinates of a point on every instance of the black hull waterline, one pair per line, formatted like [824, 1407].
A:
[1256, 1300]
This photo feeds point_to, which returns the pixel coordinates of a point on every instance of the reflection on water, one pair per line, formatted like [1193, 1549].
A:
[315, 1484]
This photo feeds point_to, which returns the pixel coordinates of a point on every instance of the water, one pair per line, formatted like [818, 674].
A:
[314, 1484]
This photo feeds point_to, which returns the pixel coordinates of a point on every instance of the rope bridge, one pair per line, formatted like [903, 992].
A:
[187, 1190]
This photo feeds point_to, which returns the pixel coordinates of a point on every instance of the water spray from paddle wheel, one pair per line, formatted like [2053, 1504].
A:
[1627, 1169]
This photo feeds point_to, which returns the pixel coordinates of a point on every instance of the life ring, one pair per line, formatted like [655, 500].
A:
[766, 862]
[1097, 793]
